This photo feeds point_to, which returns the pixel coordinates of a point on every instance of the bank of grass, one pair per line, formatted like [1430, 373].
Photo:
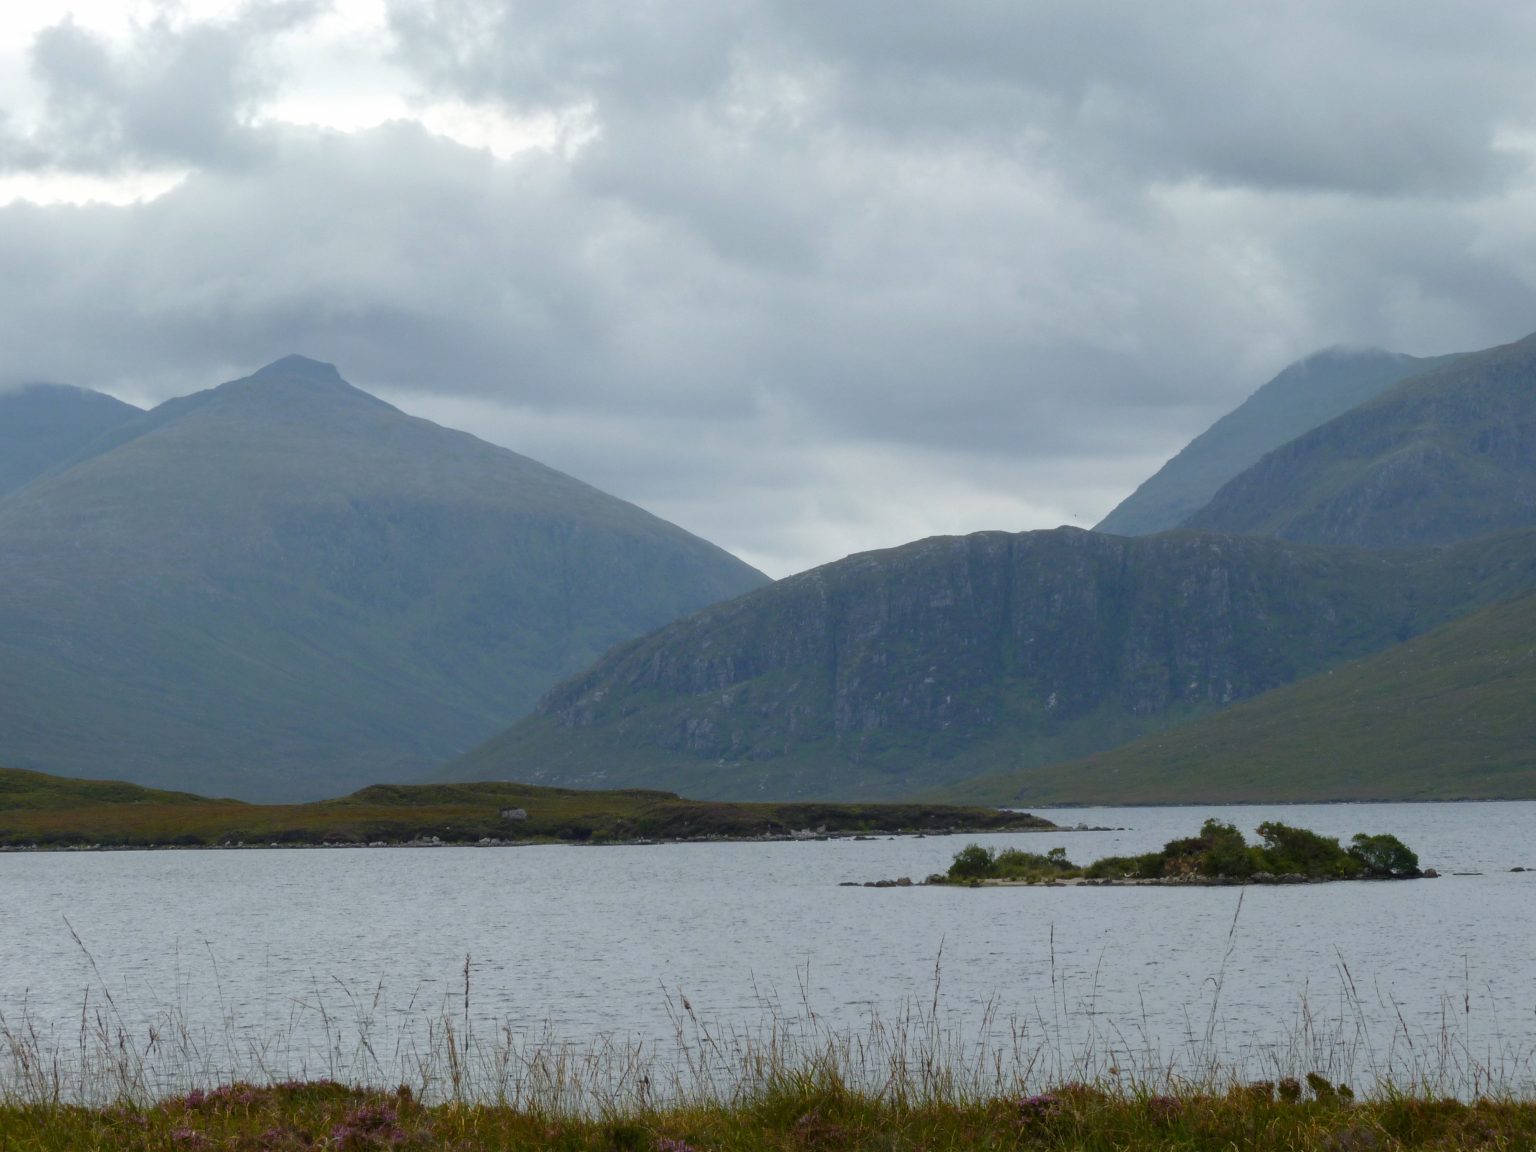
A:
[54, 812]
[813, 1110]
[793, 1084]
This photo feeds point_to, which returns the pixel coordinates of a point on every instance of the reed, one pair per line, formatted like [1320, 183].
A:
[915, 1056]
[342, 1071]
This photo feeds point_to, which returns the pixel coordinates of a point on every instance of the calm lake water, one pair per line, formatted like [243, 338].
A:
[299, 955]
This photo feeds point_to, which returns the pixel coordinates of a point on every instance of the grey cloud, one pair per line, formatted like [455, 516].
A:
[828, 276]
[549, 53]
[1372, 98]
[176, 94]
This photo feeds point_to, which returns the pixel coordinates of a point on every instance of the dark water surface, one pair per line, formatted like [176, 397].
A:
[295, 948]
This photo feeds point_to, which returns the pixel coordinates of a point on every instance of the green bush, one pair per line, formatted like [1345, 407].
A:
[1219, 851]
[973, 862]
[1288, 849]
[1384, 855]
[1226, 853]
[1015, 864]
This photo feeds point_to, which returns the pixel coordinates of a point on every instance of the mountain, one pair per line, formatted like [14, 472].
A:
[892, 672]
[42, 425]
[1447, 455]
[1309, 392]
[284, 587]
[1444, 716]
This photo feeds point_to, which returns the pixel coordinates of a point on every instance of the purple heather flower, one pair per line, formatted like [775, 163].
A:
[1165, 1108]
[1042, 1107]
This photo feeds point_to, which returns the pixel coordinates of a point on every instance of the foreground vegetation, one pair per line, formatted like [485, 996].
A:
[895, 1084]
[37, 810]
[814, 1110]
[1218, 854]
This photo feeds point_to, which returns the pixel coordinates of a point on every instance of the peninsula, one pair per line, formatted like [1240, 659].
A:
[40, 811]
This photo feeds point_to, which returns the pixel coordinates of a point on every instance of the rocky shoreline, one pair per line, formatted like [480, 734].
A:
[797, 836]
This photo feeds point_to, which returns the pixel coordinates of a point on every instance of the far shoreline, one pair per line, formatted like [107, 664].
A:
[817, 837]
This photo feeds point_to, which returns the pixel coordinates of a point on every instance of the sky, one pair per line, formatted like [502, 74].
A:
[806, 278]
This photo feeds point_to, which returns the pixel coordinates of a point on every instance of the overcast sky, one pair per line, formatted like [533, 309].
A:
[807, 276]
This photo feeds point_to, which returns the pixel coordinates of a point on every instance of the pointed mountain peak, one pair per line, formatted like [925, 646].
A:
[1347, 352]
[301, 368]
[1346, 355]
[293, 380]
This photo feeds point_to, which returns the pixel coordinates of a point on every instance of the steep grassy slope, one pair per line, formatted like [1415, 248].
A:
[1443, 456]
[892, 672]
[50, 812]
[1308, 393]
[1445, 716]
[284, 587]
[42, 425]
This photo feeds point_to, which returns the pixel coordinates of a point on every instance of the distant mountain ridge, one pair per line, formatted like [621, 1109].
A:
[1306, 394]
[904, 671]
[284, 587]
[895, 672]
[42, 425]
[1444, 456]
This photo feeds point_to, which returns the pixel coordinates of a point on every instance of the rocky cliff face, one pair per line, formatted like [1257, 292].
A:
[895, 671]
[1443, 716]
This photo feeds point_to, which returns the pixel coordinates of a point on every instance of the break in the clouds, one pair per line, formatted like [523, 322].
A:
[804, 277]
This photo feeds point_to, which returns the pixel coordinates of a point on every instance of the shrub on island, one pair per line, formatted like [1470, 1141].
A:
[975, 863]
[1218, 854]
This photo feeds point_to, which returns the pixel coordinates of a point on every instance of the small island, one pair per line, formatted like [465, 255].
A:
[1218, 855]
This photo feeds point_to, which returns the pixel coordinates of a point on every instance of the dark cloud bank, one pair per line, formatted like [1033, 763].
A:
[805, 277]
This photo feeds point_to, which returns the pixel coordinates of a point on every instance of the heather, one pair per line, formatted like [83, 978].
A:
[814, 1110]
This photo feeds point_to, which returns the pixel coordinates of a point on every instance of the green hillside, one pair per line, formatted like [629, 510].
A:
[895, 672]
[43, 425]
[1446, 716]
[283, 587]
[1306, 394]
[1446, 455]
[38, 792]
